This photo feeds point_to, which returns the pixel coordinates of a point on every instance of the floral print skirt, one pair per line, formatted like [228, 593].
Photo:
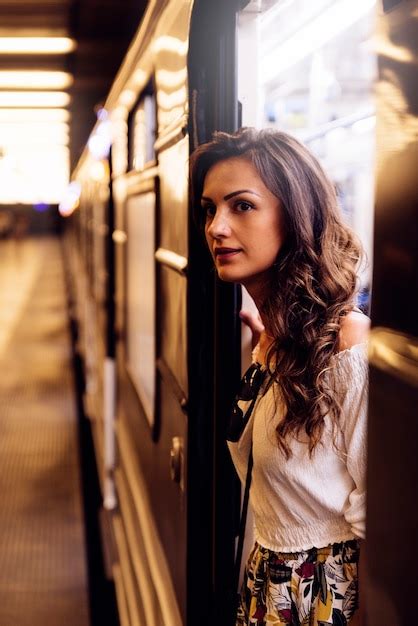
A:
[311, 588]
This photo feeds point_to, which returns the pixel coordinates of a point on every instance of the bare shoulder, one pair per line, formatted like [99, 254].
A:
[355, 327]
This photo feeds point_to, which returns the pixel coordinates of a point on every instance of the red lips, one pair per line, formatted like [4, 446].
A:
[224, 251]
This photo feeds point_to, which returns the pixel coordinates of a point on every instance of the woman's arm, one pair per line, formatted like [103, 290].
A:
[355, 330]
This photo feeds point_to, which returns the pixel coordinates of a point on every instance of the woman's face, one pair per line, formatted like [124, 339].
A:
[244, 222]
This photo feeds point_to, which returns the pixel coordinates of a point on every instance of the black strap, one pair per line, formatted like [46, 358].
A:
[243, 521]
[246, 499]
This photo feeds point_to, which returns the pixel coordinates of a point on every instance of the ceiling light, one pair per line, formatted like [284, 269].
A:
[34, 174]
[36, 45]
[29, 132]
[34, 115]
[34, 99]
[35, 80]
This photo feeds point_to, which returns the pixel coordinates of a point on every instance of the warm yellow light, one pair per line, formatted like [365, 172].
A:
[36, 45]
[34, 174]
[34, 99]
[34, 115]
[35, 80]
[127, 97]
[33, 132]
[98, 170]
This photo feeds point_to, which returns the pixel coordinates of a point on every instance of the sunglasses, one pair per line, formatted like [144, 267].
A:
[244, 402]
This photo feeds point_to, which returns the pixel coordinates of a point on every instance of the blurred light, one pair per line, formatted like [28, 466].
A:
[41, 207]
[365, 125]
[272, 14]
[35, 80]
[99, 170]
[102, 114]
[100, 141]
[338, 17]
[168, 101]
[34, 99]
[387, 48]
[167, 43]
[139, 78]
[33, 173]
[174, 79]
[127, 97]
[71, 199]
[32, 132]
[34, 115]
[36, 45]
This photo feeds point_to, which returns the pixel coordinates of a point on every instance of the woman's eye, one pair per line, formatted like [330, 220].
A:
[243, 206]
[209, 209]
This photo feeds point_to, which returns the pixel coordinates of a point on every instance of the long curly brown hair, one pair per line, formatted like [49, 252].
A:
[313, 281]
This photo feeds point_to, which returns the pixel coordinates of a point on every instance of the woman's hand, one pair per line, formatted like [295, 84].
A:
[254, 323]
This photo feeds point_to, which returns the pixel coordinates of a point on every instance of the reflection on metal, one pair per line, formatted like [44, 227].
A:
[395, 353]
[139, 78]
[169, 378]
[172, 45]
[120, 595]
[125, 561]
[171, 80]
[385, 47]
[155, 555]
[109, 454]
[119, 236]
[172, 259]
[172, 134]
[168, 101]
[396, 89]
[141, 182]
[177, 461]
[137, 554]
[127, 98]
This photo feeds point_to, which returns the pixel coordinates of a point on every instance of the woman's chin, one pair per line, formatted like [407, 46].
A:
[228, 276]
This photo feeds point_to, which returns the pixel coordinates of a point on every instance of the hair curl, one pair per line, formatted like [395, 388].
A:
[313, 281]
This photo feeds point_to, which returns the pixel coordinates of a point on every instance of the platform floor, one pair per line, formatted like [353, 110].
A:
[43, 568]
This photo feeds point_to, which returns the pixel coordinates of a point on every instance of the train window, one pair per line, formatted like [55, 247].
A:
[142, 131]
[140, 299]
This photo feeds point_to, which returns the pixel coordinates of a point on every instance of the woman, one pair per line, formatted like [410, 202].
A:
[272, 224]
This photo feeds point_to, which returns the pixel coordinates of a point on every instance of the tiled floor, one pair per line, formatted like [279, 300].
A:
[43, 570]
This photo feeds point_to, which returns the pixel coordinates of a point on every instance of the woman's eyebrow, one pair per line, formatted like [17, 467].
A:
[232, 194]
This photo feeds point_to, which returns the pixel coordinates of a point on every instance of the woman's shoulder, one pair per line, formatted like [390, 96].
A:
[354, 330]
[351, 358]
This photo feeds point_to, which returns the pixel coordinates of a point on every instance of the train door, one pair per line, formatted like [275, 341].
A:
[392, 544]
[214, 334]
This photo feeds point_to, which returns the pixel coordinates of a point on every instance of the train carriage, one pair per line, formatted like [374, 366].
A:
[158, 333]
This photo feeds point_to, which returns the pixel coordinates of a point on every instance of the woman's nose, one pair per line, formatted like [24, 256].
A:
[219, 226]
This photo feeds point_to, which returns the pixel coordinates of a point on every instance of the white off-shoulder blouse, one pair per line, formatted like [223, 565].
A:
[304, 501]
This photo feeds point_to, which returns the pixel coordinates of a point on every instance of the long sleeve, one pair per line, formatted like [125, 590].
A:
[354, 424]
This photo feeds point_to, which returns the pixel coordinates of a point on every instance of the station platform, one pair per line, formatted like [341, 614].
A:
[43, 554]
